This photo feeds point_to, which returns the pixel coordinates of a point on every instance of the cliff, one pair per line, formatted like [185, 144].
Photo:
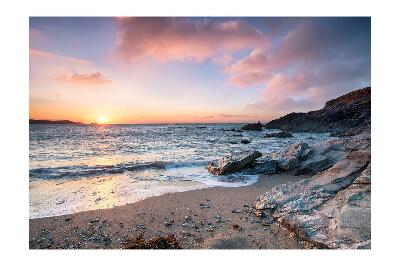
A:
[349, 112]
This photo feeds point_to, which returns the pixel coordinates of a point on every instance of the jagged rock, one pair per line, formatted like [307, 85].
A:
[291, 157]
[245, 141]
[350, 111]
[332, 208]
[253, 127]
[314, 165]
[267, 167]
[233, 162]
[306, 153]
[281, 134]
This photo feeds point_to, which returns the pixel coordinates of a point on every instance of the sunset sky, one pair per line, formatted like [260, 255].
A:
[171, 70]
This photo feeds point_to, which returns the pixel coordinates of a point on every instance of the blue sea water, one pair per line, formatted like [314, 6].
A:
[132, 162]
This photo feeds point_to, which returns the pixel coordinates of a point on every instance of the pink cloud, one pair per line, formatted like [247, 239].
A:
[33, 53]
[224, 59]
[90, 79]
[250, 70]
[184, 39]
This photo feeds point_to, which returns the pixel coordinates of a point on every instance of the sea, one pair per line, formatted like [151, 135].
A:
[74, 168]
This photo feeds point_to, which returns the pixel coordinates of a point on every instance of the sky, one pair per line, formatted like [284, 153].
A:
[192, 70]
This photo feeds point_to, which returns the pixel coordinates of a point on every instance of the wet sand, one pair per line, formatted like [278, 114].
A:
[204, 218]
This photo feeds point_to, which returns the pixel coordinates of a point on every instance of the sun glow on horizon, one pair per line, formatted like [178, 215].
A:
[102, 120]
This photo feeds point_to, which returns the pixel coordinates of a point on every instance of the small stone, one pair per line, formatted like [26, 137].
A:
[168, 222]
[245, 141]
[237, 227]
[204, 206]
[94, 221]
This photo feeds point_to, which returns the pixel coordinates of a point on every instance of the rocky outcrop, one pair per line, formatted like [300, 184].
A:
[292, 156]
[332, 208]
[263, 166]
[233, 162]
[281, 134]
[253, 127]
[348, 113]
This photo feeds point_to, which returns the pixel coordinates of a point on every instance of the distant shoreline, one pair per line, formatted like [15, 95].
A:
[68, 122]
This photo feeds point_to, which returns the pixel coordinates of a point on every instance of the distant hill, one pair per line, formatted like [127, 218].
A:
[348, 112]
[54, 122]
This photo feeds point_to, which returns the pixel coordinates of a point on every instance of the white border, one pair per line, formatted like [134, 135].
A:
[14, 129]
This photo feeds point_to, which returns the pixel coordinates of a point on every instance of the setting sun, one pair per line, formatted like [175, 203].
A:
[102, 120]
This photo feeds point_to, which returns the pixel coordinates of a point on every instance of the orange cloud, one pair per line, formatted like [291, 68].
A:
[84, 79]
[183, 39]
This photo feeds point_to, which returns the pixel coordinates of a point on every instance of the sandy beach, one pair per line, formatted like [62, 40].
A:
[204, 218]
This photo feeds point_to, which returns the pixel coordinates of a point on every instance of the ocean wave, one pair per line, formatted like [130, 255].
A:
[78, 171]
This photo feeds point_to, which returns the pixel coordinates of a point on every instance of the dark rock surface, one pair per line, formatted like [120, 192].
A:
[254, 127]
[292, 156]
[281, 134]
[245, 141]
[350, 111]
[233, 162]
[266, 167]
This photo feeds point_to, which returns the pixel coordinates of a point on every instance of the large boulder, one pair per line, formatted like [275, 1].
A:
[314, 165]
[233, 162]
[332, 208]
[281, 134]
[292, 156]
[253, 127]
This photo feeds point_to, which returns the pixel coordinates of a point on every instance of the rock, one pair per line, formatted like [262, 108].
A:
[267, 167]
[332, 208]
[306, 153]
[291, 157]
[253, 127]
[314, 165]
[347, 112]
[236, 227]
[281, 134]
[245, 141]
[168, 222]
[233, 162]
[204, 206]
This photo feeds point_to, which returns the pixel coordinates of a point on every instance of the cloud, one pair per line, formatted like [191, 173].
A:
[250, 70]
[38, 54]
[316, 60]
[91, 79]
[229, 116]
[224, 116]
[184, 39]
